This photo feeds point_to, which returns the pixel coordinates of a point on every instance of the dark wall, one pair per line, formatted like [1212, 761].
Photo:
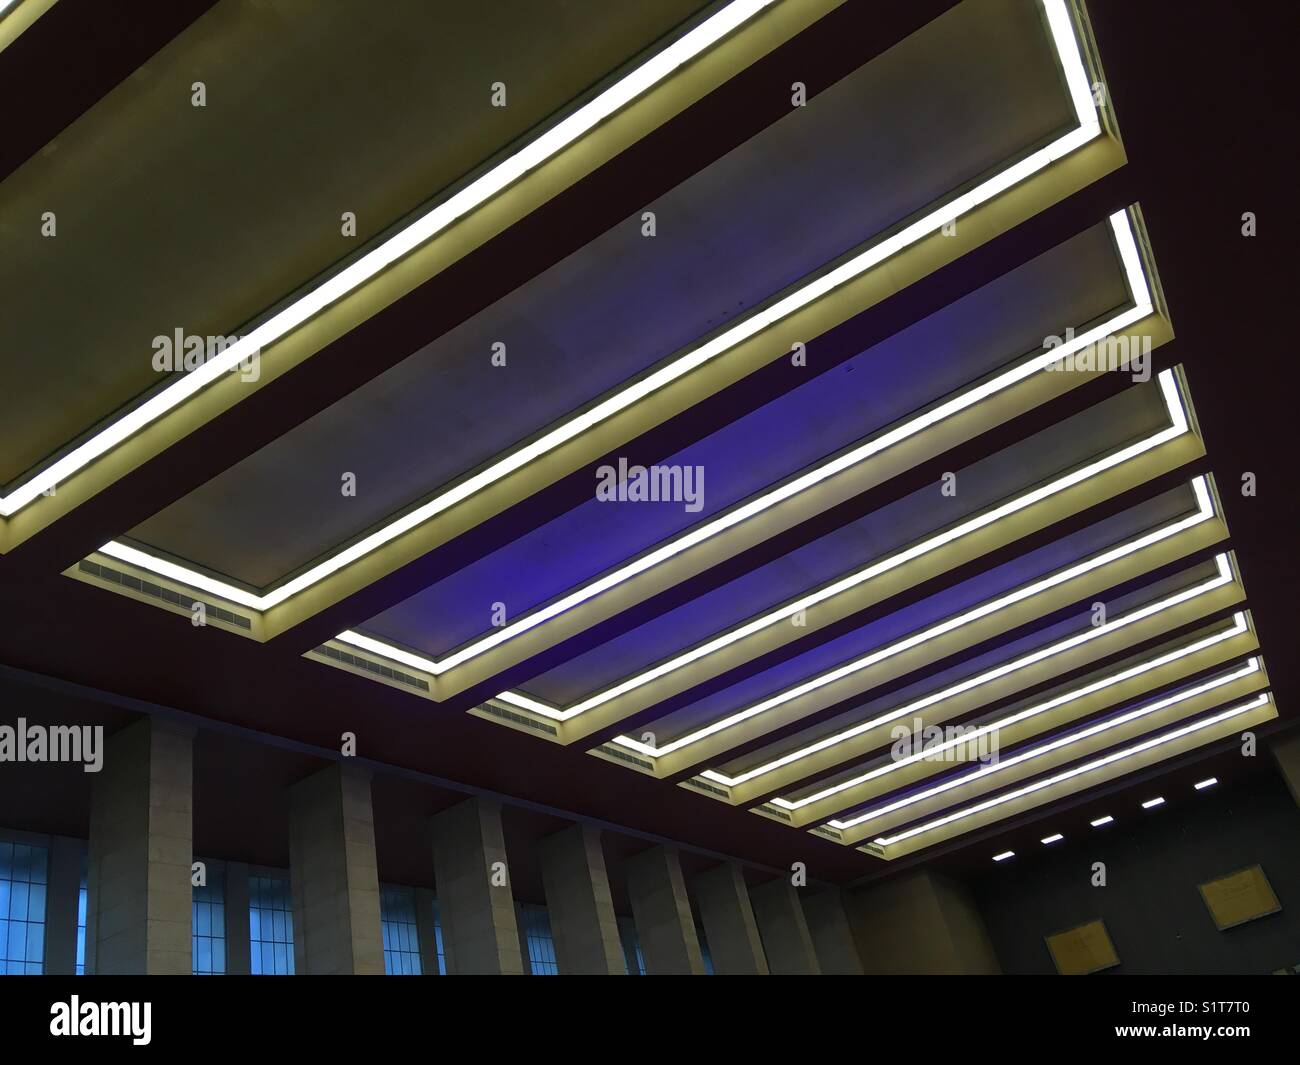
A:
[1151, 904]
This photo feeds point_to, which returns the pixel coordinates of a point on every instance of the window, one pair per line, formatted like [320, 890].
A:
[22, 908]
[437, 938]
[537, 934]
[82, 897]
[208, 928]
[631, 946]
[270, 926]
[401, 933]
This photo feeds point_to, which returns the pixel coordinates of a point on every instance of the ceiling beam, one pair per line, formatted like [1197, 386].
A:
[930, 669]
[831, 48]
[71, 57]
[1000, 255]
[1054, 530]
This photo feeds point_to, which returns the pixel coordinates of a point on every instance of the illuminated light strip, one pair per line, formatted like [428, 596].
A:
[1087, 767]
[1178, 427]
[1223, 577]
[1067, 49]
[5, 5]
[1137, 284]
[1252, 666]
[1204, 511]
[505, 173]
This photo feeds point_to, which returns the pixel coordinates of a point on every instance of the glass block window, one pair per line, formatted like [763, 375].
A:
[537, 934]
[631, 946]
[401, 933]
[270, 926]
[437, 938]
[82, 898]
[22, 908]
[208, 927]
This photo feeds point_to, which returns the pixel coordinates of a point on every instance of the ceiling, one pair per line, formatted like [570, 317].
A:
[820, 268]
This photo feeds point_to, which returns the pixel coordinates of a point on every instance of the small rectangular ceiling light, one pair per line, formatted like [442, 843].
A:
[1151, 804]
[1101, 821]
[1209, 782]
[1004, 856]
[1055, 837]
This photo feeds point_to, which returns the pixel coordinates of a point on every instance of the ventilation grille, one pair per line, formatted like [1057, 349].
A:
[387, 672]
[519, 719]
[165, 595]
[774, 811]
[829, 833]
[702, 785]
[624, 756]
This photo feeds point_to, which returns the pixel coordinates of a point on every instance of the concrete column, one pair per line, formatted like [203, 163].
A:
[729, 924]
[426, 932]
[786, 939]
[630, 941]
[920, 923]
[333, 874]
[1286, 751]
[63, 888]
[583, 923]
[524, 959]
[141, 847]
[480, 933]
[662, 911]
[832, 935]
[238, 947]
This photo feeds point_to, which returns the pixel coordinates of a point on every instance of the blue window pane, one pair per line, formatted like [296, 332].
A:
[208, 925]
[270, 926]
[22, 907]
[401, 934]
[537, 935]
[18, 901]
[82, 897]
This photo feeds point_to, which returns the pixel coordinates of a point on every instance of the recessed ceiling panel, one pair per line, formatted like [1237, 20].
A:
[907, 129]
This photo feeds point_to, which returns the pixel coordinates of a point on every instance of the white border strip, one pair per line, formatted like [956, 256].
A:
[1204, 511]
[1068, 50]
[1087, 767]
[1096, 729]
[1177, 427]
[1093, 632]
[483, 188]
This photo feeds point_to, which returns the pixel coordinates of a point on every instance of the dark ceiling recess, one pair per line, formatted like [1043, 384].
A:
[1204, 149]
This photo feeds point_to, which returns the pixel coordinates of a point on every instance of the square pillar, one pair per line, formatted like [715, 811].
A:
[480, 933]
[662, 910]
[832, 935]
[729, 924]
[426, 931]
[141, 847]
[62, 892]
[786, 939]
[578, 900]
[918, 924]
[238, 946]
[333, 874]
[631, 944]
